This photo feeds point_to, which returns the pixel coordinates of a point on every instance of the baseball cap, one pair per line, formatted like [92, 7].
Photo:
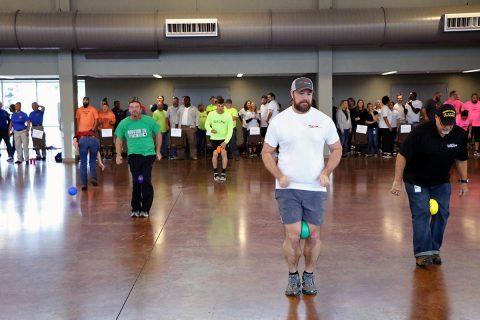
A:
[447, 114]
[302, 83]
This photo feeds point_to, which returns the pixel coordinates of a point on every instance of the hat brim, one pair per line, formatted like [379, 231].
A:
[448, 121]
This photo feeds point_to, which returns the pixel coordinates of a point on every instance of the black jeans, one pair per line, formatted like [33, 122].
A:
[387, 143]
[5, 137]
[142, 193]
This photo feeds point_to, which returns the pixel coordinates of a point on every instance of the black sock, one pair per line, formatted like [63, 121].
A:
[224, 170]
[215, 170]
[293, 273]
[305, 272]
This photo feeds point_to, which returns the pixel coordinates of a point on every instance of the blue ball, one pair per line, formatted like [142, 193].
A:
[72, 191]
[140, 179]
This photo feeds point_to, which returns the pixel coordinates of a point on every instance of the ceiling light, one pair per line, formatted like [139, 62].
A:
[239, 75]
[7, 77]
[470, 71]
[389, 72]
[157, 76]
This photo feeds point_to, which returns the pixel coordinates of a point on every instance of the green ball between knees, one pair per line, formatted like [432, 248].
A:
[305, 233]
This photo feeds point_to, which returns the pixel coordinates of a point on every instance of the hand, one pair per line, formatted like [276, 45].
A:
[214, 131]
[469, 136]
[119, 160]
[159, 156]
[463, 189]
[324, 180]
[342, 131]
[223, 145]
[284, 181]
[390, 129]
[396, 188]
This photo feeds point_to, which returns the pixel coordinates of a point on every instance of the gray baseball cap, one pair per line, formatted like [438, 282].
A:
[302, 83]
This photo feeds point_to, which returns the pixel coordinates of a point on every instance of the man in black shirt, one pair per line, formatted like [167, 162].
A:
[424, 163]
[430, 108]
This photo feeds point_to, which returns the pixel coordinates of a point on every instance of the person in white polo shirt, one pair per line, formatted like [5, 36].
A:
[413, 106]
[302, 178]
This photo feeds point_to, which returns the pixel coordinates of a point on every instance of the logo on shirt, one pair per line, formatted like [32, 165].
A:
[137, 133]
[313, 126]
[451, 145]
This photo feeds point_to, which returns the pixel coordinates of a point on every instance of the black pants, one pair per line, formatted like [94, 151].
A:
[5, 137]
[142, 194]
[387, 143]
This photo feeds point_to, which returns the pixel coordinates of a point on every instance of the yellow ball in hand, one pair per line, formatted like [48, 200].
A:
[433, 207]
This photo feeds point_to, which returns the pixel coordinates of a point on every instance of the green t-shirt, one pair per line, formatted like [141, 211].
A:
[160, 117]
[139, 135]
[211, 107]
[202, 117]
[222, 123]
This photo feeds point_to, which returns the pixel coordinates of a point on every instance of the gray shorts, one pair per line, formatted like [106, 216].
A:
[296, 205]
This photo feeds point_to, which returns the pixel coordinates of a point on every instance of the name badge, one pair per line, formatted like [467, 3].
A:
[417, 189]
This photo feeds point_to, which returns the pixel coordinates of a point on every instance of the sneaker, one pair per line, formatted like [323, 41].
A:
[94, 183]
[216, 177]
[436, 259]
[135, 214]
[423, 261]
[143, 214]
[44, 158]
[84, 187]
[10, 159]
[18, 162]
[223, 177]
[293, 286]
[308, 286]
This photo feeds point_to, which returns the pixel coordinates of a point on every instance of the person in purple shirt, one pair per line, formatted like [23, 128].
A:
[36, 119]
[4, 123]
[21, 126]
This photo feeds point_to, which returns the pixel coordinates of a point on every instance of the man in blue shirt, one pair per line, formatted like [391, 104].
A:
[4, 123]
[36, 119]
[21, 126]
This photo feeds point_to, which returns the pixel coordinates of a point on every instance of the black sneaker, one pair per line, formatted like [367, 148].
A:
[18, 162]
[94, 183]
[423, 261]
[84, 187]
[436, 259]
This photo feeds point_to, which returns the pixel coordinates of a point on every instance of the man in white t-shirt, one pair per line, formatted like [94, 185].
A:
[302, 177]
[413, 106]
[399, 107]
[273, 107]
[263, 116]
[386, 128]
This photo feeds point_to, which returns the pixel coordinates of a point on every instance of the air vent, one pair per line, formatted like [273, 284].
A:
[462, 22]
[191, 27]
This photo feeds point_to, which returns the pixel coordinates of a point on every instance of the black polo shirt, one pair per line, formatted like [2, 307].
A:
[429, 156]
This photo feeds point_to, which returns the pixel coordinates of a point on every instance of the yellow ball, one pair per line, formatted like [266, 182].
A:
[433, 207]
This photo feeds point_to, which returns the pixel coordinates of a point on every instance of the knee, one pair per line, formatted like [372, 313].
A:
[292, 238]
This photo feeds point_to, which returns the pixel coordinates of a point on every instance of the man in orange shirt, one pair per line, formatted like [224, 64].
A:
[106, 120]
[88, 143]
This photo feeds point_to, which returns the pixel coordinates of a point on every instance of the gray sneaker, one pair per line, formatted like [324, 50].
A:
[143, 214]
[135, 214]
[293, 287]
[308, 286]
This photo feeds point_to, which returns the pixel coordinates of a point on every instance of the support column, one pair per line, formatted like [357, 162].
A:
[68, 102]
[325, 84]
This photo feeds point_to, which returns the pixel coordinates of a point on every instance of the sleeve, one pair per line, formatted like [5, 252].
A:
[332, 133]
[229, 130]
[120, 132]
[208, 125]
[384, 113]
[271, 136]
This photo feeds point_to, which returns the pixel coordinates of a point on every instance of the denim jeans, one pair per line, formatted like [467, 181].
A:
[142, 191]
[201, 137]
[344, 140]
[372, 134]
[164, 149]
[88, 146]
[428, 229]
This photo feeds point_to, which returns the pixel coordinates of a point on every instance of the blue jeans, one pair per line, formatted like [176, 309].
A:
[88, 145]
[344, 140]
[372, 134]
[201, 136]
[427, 229]
[164, 149]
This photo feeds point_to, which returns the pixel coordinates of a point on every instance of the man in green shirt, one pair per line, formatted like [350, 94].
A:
[139, 131]
[160, 117]
[201, 132]
[220, 126]
[213, 105]
[232, 146]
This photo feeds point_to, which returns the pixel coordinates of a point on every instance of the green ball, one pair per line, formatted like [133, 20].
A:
[305, 233]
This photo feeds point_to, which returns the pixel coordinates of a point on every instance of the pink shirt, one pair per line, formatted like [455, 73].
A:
[463, 123]
[456, 103]
[473, 112]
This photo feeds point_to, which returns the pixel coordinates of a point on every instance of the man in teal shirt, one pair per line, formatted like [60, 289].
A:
[139, 131]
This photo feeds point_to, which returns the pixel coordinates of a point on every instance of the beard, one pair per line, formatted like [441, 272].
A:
[301, 106]
[85, 104]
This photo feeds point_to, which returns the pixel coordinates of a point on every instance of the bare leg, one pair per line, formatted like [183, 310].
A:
[291, 245]
[224, 159]
[312, 248]
[215, 159]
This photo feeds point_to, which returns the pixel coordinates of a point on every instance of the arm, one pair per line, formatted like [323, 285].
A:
[10, 128]
[41, 108]
[469, 132]
[28, 126]
[158, 145]
[462, 173]
[387, 123]
[269, 162]
[118, 150]
[269, 116]
[332, 163]
[424, 114]
[397, 181]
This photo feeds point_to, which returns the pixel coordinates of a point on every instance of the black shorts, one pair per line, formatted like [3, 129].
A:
[216, 143]
[476, 133]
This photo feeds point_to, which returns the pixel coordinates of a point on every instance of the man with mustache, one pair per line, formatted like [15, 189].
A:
[424, 164]
[301, 177]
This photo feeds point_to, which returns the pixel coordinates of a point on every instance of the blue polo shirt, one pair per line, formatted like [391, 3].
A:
[36, 118]
[4, 119]
[19, 120]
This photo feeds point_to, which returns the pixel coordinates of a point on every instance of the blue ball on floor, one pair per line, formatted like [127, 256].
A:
[140, 179]
[72, 191]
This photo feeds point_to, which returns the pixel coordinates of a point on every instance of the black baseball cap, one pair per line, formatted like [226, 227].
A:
[447, 114]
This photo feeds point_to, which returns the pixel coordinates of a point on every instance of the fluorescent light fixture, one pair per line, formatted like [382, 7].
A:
[470, 71]
[389, 72]
[239, 75]
[7, 77]
[157, 76]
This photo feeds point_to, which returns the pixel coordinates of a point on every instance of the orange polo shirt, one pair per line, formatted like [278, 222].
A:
[86, 118]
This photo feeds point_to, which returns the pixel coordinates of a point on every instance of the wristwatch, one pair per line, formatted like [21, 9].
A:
[463, 181]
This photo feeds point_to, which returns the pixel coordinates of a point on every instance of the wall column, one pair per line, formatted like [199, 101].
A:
[68, 102]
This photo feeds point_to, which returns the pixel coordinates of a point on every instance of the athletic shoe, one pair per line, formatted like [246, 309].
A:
[308, 286]
[143, 214]
[10, 159]
[135, 214]
[293, 286]
[423, 261]
[44, 158]
[436, 259]
[223, 177]
[84, 187]
[18, 162]
[94, 182]
[216, 177]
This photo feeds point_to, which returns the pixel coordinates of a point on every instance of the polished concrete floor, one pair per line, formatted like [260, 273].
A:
[213, 251]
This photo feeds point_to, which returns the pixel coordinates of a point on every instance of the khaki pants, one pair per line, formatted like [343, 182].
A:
[21, 144]
[190, 143]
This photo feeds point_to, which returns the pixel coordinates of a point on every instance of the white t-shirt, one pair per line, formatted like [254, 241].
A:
[395, 117]
[184, 120]
[301, 138]
[399, 108]
[274, 108]
[412, 116]
[263, 114]
[386, 112]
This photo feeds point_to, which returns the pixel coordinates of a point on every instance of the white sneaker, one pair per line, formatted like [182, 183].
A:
[143, 214]
[135, 214]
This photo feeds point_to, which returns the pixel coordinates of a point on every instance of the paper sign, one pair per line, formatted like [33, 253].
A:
[107, 133]
[362, 129]
[208, 133]
[37, 134]
[176, 132]
[405, 128]
[255, 131]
